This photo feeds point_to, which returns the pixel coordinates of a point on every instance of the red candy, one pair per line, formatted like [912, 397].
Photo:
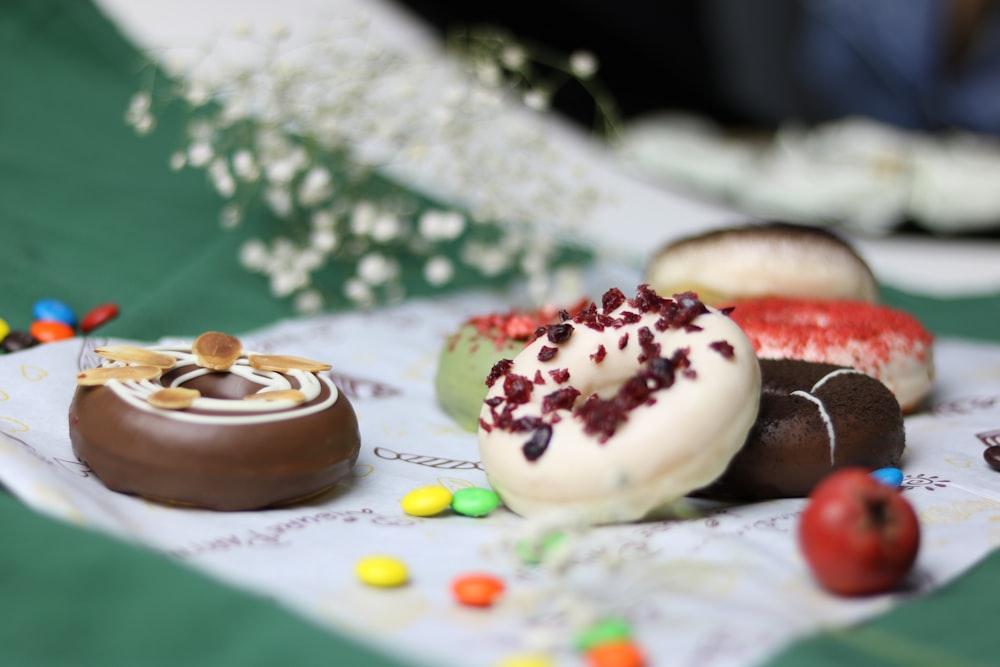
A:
[47, 331]
[98, 316]
[477, 590]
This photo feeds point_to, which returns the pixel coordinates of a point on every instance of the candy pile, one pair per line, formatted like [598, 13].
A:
[604, 642]
[54, 320]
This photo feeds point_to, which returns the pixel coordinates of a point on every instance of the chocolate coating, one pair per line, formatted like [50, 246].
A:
[789, 448]
[216, 466]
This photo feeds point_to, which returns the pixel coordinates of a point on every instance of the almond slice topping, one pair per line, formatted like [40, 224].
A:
[132, 354]
[282, 363]
[279, 395]
[173, 398]
[97, 376]
[217, 351]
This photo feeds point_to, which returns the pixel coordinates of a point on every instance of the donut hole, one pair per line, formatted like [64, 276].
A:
[221, 385]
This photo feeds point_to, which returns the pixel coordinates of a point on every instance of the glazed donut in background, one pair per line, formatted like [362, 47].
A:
[771, 259]
[881, 341]
[211, 425]
[813, 418]
[469, 354]
[619, 410]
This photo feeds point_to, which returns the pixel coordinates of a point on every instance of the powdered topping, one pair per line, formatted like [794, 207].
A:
[520, 325]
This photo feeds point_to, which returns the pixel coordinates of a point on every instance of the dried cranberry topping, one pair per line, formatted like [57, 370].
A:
[499, 369]
[538, 443]
[560, 399]
[647, 343]
[724, 348]
[485, 426]
[611, 300]
[589, 318]
[628, 317]
[547, 353]
[493, 401]
[623, 341]
[599, 355]
[560, 375]
[646, 300]
[517, 388]
[559, 333]
[538, 378]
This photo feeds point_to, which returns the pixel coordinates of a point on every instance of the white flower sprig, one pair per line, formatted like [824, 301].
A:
[324, 137]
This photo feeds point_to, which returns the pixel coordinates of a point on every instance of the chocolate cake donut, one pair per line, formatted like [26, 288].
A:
[209, 425]
[769, 259]
[813, 417]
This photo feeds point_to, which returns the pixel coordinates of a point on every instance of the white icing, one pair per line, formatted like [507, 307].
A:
[825, 416]
[681, 442]
[237, 412]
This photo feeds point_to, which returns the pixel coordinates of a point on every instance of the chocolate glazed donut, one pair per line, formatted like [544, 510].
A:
[220, 451]
[813, 418]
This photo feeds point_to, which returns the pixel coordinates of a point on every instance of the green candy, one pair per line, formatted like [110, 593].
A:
[534, 553]
[474, 501]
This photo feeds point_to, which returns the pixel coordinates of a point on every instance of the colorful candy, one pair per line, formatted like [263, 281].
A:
[477, 589]
[608, 630]
[992, 456]
[474, 501]
[889, 476]
[47, 331]
[4, 329]
[534, 552]
[382, 571]
[97, 316]
[527, 660]
[53, 310]
[15, 341]
[616, 654]
[426, 501]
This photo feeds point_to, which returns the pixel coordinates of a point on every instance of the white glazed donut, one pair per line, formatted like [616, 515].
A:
[770, 259]
[619, 410]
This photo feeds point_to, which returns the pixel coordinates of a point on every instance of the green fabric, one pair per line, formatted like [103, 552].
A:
[91, 213]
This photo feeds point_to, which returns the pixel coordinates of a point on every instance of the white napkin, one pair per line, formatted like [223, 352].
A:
[723, 586]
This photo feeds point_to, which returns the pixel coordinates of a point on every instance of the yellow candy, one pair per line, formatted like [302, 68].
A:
[4, 328]
[527, 660]
[382, 571]
[426, 501]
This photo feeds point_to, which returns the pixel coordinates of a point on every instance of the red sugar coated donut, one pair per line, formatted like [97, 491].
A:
[886, 343]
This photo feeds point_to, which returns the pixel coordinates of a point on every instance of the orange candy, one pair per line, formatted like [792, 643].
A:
[476, 589]
[615, 654]
[46, 331]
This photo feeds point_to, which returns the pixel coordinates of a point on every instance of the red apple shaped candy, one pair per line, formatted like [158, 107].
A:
[858, 535]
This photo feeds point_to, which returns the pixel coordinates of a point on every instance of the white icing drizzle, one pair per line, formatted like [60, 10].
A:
[823, 414]
[237, 412]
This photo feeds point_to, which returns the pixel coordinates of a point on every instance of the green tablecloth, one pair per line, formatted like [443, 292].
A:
[90, 213]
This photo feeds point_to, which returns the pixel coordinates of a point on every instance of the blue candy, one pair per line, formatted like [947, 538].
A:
[53, 310]
[889, 476]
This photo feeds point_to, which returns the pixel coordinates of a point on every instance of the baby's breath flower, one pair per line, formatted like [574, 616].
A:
[309, 302]
[536, 99]
[438, 270]
[308, 140]
[376, 269]
[177, 160]
[435, 225]
[200, 154]
[244, 165]
[316, 187]
[583, 64]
